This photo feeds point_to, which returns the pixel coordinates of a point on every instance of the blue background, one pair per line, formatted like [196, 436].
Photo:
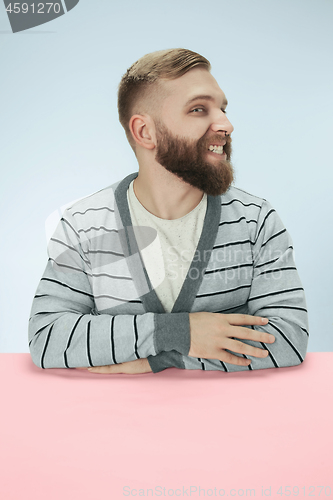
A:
[61, 139]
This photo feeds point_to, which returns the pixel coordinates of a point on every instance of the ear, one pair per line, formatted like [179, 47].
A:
[142, 130]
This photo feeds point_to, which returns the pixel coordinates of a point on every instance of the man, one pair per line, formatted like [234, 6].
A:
[171, 266]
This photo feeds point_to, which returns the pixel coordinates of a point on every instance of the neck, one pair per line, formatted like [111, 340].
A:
[164, 194]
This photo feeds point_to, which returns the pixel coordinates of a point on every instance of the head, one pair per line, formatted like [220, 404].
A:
[173, 111]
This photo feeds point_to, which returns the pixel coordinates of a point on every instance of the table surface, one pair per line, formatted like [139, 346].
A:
[71, 434]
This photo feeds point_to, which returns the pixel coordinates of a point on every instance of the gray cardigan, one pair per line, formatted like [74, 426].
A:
[95, 304]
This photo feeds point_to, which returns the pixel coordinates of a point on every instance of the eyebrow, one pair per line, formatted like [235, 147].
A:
[206, 97]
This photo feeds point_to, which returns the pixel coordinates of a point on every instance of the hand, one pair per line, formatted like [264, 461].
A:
[212, 333]
[132, 367]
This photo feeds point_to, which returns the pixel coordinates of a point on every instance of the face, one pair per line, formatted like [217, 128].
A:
[191, 123]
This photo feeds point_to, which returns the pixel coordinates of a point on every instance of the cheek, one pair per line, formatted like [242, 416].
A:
[200, 129]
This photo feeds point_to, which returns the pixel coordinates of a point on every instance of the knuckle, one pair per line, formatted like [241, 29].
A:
[246, 332]
[236, 360]
[228, 357]
[240, 345]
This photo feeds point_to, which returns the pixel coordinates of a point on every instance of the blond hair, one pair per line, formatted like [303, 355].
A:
[140, 90]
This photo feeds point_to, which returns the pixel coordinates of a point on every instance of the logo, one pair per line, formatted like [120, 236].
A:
[23, 16]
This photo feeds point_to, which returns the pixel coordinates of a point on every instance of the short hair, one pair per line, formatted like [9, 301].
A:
[140, 90]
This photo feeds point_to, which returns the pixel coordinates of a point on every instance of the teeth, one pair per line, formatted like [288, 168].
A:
[216, 149]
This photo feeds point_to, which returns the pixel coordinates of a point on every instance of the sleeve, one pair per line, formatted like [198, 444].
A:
[66, 331]
[276, 293]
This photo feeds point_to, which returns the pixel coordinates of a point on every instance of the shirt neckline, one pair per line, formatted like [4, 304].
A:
[196, 271]
[134, 199]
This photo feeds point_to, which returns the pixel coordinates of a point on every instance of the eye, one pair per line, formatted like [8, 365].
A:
[203, 109]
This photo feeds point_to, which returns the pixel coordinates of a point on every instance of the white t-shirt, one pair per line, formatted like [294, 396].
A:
[168, 258]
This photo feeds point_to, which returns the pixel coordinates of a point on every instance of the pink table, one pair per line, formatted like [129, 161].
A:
[71, 434]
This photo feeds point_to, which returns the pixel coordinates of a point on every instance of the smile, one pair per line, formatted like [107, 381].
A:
[216, 149]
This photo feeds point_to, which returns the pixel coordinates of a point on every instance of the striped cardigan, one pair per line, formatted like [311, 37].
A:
[95, 304]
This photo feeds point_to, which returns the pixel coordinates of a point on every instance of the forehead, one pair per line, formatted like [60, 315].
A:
[196, 82]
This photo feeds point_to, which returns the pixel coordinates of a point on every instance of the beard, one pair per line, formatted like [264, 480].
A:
[186, 159]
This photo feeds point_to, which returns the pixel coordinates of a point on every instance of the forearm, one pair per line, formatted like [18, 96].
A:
[289, 349]
[63, 332]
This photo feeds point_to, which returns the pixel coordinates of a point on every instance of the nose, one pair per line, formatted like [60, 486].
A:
[222, 124]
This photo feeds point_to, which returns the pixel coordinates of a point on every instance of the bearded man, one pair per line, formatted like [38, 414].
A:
[172, 266]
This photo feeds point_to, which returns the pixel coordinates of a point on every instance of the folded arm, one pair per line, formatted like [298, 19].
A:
[65, 331]
[276, 293]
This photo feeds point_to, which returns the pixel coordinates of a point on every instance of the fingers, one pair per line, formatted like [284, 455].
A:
[232, 359]
[242, 348]
[245, 319]
[249, 334]
[130, 367]
[249, 350]
[105, 369]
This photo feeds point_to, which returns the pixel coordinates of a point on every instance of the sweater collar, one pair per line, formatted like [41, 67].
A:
[198, 265]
